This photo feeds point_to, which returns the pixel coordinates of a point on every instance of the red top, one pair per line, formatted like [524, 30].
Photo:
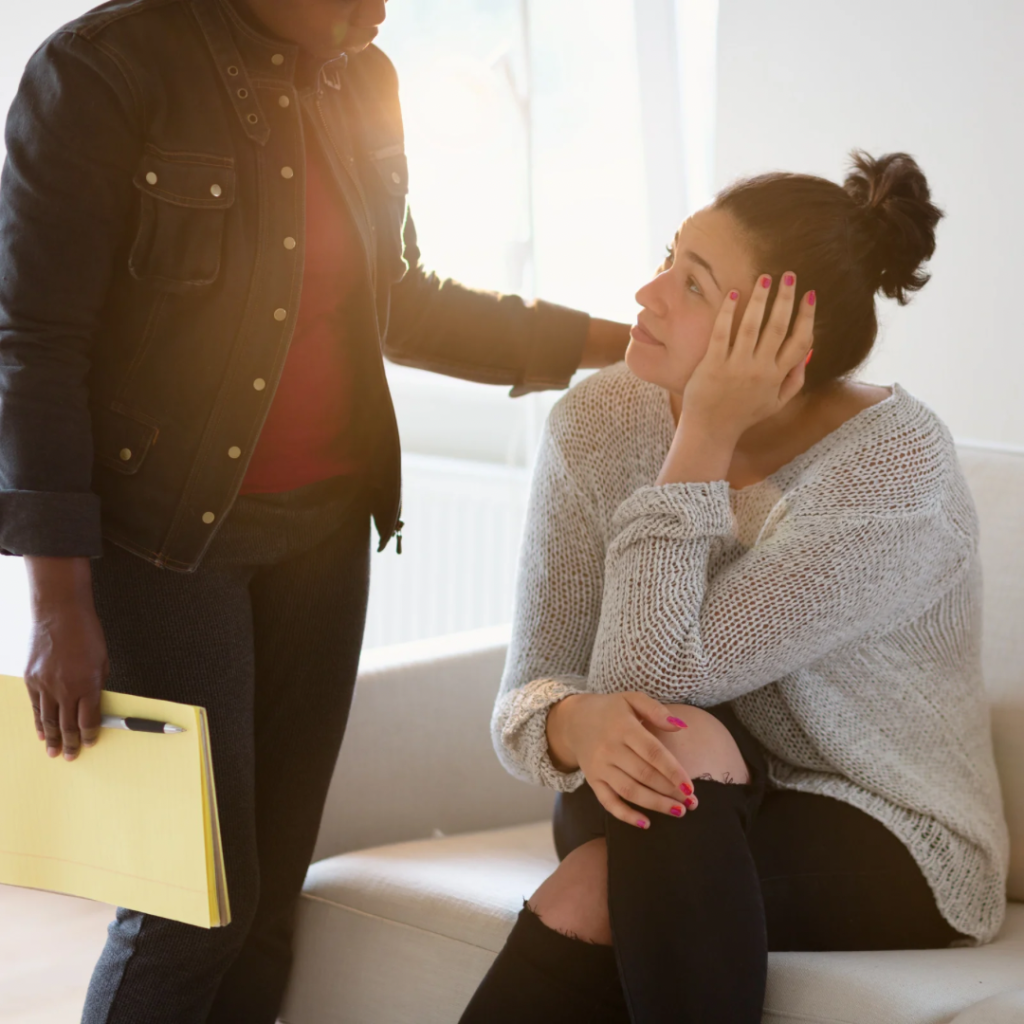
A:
[307, 435]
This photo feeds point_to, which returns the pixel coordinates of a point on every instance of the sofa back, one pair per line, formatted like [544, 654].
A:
[996, 480]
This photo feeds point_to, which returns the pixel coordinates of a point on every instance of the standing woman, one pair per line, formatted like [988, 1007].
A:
[203, 250]
[747, 632]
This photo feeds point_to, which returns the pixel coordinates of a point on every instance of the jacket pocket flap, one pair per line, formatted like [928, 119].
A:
[121, 440]
[187, 179]
[393, 169]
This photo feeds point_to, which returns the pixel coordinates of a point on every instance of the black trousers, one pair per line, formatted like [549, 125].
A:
[266, 636]
[697, 903]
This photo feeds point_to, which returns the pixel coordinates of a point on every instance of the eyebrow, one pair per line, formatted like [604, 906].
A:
[701, 262]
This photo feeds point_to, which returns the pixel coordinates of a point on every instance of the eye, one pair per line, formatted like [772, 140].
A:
[693, 286]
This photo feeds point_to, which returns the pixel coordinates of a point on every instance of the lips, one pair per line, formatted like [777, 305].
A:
[637, 333]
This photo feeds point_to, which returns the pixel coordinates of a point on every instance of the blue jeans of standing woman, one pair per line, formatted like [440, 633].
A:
[265, 635]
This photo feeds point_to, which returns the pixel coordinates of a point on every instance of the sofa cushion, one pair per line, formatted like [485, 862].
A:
[1005, 1008]
[402, 934]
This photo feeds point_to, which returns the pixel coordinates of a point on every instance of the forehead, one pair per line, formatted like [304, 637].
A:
[716, 237]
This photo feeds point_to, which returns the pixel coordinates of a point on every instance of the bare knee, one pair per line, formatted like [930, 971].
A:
[705, 749]
[574, 900]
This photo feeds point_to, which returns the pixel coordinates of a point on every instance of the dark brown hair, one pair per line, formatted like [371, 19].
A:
[846, 242]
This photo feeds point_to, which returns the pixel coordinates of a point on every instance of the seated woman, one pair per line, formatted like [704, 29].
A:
[746, 640]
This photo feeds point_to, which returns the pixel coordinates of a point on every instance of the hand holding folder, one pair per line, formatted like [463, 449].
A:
[132, 821]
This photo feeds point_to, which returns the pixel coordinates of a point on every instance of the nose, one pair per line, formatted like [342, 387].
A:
[649, 295]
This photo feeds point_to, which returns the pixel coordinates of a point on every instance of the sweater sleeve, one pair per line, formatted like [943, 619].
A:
[815, 584]
[557, 607]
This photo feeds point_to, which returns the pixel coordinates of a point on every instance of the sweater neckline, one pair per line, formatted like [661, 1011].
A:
[828, 442]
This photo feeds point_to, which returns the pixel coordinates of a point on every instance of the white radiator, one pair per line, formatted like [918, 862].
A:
[456, 571]
[463, 523]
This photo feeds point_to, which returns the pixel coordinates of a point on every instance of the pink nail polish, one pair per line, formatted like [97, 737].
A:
[641, 823]
[811, 298]
[685, 788]
[690, 802]
[672, 720]
[676, 810]
[788, 280]
[766, 281]
[734, 296]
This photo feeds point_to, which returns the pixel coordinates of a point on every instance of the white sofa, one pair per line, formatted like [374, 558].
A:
[428, 848]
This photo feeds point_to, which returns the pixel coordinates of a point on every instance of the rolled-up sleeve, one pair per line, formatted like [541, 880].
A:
[65, 202]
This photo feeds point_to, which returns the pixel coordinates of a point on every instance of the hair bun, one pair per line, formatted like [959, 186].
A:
[899, 219]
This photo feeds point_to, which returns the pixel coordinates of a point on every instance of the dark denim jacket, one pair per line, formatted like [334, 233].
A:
[151, 257]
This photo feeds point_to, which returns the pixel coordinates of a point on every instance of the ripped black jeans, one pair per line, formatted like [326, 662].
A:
[696, 903]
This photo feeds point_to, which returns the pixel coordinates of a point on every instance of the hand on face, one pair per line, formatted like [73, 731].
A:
[751, 373]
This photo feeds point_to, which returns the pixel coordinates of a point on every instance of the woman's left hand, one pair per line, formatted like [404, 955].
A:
[740, 382]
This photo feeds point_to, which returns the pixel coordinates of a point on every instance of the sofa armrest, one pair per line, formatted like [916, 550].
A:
[417, 757]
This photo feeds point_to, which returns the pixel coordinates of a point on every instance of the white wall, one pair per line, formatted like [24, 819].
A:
[801, 82]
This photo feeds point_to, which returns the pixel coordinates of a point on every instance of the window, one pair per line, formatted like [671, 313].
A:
[526, 161]
[553, 150]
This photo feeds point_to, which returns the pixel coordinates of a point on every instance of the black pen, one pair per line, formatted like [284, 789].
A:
[138, 724]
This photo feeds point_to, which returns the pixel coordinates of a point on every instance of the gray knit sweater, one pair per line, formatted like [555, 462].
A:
[836, 603]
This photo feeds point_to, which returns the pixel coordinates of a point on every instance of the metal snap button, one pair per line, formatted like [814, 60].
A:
[287, 172]
[259, 383]
[284, 101]
[208, 517]
[234, 452]
[280, 314]
[396, 177]
[290, 243]
[216, 191]
[277, 59]
[151, 178]
[126, 454]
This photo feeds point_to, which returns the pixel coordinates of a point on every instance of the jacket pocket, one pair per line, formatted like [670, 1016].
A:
[121, 440]
[392, 178]
[182, 209]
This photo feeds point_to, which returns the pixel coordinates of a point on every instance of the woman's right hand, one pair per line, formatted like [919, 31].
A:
[609, 737]
[67, 661]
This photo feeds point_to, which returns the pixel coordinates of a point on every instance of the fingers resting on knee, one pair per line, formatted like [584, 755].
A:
[705, 748]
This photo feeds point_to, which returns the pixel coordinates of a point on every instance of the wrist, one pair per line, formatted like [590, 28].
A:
[57, 584]
[605, 343]
[704, 427]
[559, 748]
[700, 453]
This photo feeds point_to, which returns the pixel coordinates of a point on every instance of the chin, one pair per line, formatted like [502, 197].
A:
[357, 40]
[647, 362]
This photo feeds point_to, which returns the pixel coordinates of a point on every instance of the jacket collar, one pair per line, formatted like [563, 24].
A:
[244, 54]
[258, 45]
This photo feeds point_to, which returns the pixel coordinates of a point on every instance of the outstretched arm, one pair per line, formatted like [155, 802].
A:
[443, 326]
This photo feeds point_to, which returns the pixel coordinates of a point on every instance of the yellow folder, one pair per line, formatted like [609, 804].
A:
[132, 821]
